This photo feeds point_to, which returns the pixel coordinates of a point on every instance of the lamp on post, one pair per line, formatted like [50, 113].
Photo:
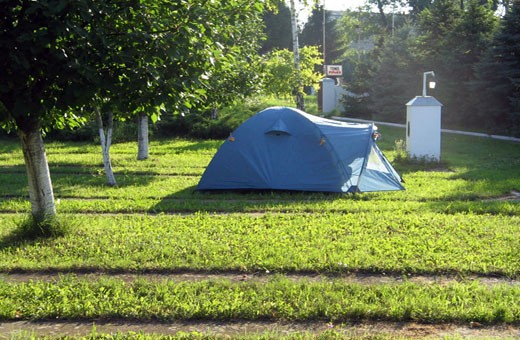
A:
[431, 84]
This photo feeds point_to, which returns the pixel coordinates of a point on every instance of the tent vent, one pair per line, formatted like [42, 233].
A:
[278, 128]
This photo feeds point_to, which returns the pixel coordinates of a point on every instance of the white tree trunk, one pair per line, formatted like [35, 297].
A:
[142, 137]
[41, 194]
[105, 139]
[296, 51]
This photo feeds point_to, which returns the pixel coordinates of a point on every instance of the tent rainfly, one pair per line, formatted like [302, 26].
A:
[282, 148]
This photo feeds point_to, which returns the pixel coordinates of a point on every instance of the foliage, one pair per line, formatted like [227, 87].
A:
[60, 55]
[451, 41]
[280, 76]
[213, 124]
[45, 45]
[312, 34]
[396, 78]
[277, 29]
[497, 78]
[357, 33]
[192, 56]
[445, 37]
[356, 27]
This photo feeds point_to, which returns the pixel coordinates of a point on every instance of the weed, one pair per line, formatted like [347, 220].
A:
[32, 228]
[402, 157]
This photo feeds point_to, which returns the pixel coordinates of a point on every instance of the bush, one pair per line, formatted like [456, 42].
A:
[207, 125]
[123, 132]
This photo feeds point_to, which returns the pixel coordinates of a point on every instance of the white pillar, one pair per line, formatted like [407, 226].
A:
[423, 128]
[328, 93]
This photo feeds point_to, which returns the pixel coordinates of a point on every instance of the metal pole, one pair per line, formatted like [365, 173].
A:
[294, 24]
[425, 75]
[324, 23]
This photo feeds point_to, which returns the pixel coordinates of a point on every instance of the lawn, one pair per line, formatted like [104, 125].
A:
[459, 220]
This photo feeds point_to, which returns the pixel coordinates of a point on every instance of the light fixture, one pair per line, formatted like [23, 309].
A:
[431, 83]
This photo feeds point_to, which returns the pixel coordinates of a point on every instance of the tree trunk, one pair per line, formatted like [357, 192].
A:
[296, 50]
[382, 15]
[142, 137]
[41, 194]
[106, 140]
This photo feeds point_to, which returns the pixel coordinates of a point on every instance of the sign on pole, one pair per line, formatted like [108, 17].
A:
[333, 70]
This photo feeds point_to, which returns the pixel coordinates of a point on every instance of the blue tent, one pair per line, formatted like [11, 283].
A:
[283, 148]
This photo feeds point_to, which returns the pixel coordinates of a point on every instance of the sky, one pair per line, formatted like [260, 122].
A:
[332, 5]
[338, 5]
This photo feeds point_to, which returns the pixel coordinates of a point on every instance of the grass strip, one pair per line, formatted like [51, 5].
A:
[181, 182]
[70, 298]
[393, 242]
[192, 202]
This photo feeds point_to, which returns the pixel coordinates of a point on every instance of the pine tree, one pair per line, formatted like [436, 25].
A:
[397, 78]
[497, 87]
[277, 29]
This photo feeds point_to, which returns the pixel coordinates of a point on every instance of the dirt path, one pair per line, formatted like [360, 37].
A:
[360, 278]
[239, 328]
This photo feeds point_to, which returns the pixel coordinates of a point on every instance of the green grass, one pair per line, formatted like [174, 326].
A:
[450, 220]
[70, 298]
[430, 243]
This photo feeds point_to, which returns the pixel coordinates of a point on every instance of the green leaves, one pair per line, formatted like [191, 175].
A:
[280, 76]
[137, 55]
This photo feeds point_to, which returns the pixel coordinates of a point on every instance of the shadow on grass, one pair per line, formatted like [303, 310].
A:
[13, 181]
[480, 188]
[199, 146]
[29, 231]
[236, 201]
[9, 145]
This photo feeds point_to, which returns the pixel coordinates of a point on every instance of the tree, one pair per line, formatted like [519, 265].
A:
[417, 6]
[221, 67]
[312, 34]
[450, 42]
[497, 84]
[50, 49]
[396, 78]
[277, 24]
[466, 45]
[62, 58]
[359, 40]
[280, 76]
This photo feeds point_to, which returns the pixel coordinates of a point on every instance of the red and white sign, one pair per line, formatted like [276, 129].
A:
[333, 70]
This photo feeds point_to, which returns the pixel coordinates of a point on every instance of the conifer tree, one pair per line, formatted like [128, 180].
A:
[497, 85]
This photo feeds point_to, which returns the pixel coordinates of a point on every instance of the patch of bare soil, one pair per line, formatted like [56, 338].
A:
[514, 195]
[359, 278]
[235, 329]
